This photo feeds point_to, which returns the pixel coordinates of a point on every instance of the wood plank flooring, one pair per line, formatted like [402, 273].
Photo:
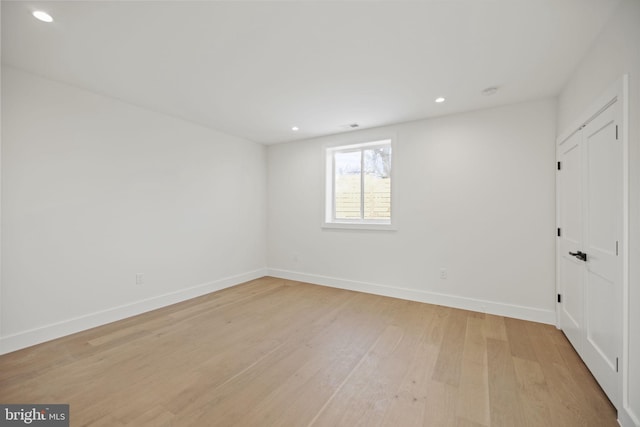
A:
[273, 352]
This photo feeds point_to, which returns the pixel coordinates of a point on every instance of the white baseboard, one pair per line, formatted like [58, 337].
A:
[472, 304]
[67, 327]
[70, 326]
[626, 418]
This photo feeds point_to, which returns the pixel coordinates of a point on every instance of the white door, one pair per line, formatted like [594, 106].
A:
[589, 261]
[602, 342]
[571, 269]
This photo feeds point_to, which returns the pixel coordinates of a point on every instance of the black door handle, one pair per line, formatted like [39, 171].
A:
[580, 255]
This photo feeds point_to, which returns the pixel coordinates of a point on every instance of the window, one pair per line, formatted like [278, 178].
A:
[358, 187]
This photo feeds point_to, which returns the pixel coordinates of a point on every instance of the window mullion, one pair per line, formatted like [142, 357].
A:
[333, 187]
[361, 184]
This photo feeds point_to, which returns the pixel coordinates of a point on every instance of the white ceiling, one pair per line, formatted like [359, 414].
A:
[255, 69]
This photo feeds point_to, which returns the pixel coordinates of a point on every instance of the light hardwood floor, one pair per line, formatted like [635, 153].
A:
[276, 352]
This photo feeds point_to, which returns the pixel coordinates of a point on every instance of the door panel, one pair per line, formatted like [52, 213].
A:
[601, 321]
[603, 225]
[571, 270]
[571, 276]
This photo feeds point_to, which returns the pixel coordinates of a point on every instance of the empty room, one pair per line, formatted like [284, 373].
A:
[320, 213]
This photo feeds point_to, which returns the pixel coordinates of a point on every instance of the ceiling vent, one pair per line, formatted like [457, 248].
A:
[490, 91]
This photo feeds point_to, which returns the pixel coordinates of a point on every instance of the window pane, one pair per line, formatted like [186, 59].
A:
[347, 185]
[377, 183]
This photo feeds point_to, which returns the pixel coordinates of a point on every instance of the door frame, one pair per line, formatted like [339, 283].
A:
[619, 92]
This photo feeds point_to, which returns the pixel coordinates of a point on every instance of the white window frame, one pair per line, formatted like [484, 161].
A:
[329, 220]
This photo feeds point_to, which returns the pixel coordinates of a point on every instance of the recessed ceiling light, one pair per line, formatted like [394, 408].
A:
[490, 91]
[295, 128]
[439, 100]
[42, 16]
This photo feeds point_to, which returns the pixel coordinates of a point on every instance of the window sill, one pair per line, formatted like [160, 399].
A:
[359, 226]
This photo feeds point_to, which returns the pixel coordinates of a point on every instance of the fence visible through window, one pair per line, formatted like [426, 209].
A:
[361, 182]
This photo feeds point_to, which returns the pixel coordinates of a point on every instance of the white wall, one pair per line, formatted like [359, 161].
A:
[475, 195]
[95, 190]
[616, 52]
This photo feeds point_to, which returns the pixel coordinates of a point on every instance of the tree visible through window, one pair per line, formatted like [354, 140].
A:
[360, 183]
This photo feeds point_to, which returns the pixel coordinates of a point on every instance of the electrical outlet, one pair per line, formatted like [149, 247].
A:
[139, 278]
[443, 273]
